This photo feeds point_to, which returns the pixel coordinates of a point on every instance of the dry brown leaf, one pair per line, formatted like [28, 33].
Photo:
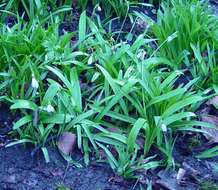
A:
[180, 175]
[168, 180]
[190, 169]
[66, 143]
[212, 133]
[140, 141]
[213, 101]
[57, 172]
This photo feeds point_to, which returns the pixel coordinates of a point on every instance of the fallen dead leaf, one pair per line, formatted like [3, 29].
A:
[57, 172]
[190, 169]
[116, 179]
[168, 180]
[212, 134]
[66, 143]
[213, 101]
[180, 175]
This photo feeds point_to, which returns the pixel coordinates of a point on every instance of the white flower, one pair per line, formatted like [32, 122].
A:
[141, 54]
[163, 128]
[99, 8]
[50, 108]
[34, 83]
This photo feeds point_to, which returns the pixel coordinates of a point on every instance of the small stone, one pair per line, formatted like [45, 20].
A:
[10, 179]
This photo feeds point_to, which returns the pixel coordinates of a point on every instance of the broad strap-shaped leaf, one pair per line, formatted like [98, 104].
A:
[58, 118]
[23, 121]
[24, 104]
[50, 93]
[76, 91]
[82, 26]
[112, 161]
[131, 141]
[182, 104]
[177, 117]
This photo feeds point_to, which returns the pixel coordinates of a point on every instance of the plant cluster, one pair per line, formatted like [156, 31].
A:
[195, 43]
[117, 97]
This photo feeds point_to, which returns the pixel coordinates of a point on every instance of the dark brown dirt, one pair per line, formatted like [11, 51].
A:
[20, 171]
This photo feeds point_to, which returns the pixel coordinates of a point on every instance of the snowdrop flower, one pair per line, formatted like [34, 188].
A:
[50, 108]
[112, 39]
[163, 128]
[99, 8]
[34, 83]
[141, 54]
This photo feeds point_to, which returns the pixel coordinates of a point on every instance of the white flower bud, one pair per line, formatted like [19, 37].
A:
[99, 8]
[141, 54]
[34, 83]
[163, 128]
[50, 108]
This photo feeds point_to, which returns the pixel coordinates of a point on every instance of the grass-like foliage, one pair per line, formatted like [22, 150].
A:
[120, 97]
[192, 22]
[31, 9]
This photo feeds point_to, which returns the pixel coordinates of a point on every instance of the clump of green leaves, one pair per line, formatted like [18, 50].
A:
[203, 66]
[118, 7]
[193, 23]
[43, 9]
[208, 185]
[26, 48]
[101, 89]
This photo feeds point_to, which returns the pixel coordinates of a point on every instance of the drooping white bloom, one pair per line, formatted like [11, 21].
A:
[34, 83]
[163, 128]
[50, 108]
[99, 8]
[141, 54]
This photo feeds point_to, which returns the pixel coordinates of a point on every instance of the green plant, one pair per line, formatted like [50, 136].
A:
[212, 152]
[130, 89]
[101, 89]
[203, 66]
[25, 50]
[62, 187]
[193, 24]
[43, 9]
[119, 7]
[208, 185]
[127, 165]
[59, 106]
